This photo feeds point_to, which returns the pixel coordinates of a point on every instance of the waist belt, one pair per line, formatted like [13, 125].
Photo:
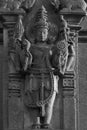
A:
[39, 71]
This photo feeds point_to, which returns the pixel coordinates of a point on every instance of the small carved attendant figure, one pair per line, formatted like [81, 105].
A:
[71, 51]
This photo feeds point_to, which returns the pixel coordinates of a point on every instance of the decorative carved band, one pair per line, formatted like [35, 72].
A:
[15, 85]
[68, 82]
[68, 85]
[82, 36]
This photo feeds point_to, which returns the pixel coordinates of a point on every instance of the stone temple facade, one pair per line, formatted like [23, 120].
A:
[66, 23]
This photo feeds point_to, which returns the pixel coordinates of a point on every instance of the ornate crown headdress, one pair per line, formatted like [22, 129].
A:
[41, 19]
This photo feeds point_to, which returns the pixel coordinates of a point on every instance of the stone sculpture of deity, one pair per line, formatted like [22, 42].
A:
[43, 64]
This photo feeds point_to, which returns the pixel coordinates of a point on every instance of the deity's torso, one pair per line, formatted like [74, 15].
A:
[40, 56]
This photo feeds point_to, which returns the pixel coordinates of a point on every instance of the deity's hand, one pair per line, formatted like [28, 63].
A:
[58, 72]
[26, 45]
[28, 55]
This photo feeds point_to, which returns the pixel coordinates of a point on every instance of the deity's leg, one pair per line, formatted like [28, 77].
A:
[36, 118]
[49, 110]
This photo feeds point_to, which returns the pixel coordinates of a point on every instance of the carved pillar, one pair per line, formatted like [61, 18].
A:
[82, 79]
[70, 81]
[1, 76]
[12, 82]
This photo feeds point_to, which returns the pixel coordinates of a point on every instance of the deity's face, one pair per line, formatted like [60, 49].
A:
[42, 34]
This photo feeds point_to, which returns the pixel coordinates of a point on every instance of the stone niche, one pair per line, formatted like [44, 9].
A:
[69, 111]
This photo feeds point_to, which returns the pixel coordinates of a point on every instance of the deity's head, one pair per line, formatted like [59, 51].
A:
[41, 25]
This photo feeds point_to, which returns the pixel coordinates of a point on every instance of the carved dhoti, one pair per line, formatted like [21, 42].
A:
[40, 86]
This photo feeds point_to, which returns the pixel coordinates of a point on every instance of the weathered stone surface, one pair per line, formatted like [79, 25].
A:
[69, 112]
[82, 74]
[64, 114]
[73, 4]
[15, 113]
[1, 88]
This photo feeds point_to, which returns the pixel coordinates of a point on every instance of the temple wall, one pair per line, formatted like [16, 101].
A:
[82, 79]
[70, 108]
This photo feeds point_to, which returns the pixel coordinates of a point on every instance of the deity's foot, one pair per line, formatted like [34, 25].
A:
[45, 126]
[36, 126]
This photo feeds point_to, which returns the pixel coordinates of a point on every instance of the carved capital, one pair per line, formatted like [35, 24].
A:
[15, 85]
[73, 17]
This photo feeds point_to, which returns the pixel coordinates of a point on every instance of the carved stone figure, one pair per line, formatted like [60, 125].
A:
[74, 4]
[71, 50]
[42, 63]
[41, 84]
[69, 4]
[12, 4]
[55, 3]
[27, 4]
[3, 4]
[68, 37]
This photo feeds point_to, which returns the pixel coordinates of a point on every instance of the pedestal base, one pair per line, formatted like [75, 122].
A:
[44, 129]
[30, 128]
